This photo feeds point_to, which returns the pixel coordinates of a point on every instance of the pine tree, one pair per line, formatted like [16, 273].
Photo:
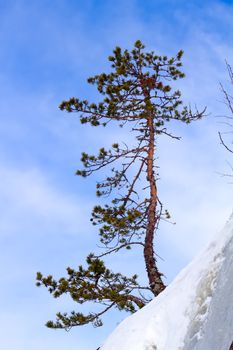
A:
[138, 93]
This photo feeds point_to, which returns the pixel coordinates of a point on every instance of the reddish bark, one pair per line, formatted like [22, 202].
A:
[154, 276]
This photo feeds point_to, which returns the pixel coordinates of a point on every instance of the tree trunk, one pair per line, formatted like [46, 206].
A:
[155, 280]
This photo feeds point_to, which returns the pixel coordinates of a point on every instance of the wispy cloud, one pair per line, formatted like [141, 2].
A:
[47, 51]
[30, 203]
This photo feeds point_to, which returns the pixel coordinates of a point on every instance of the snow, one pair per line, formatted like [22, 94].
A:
[179, 318]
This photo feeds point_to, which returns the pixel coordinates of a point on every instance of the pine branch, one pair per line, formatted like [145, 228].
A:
[96, 284]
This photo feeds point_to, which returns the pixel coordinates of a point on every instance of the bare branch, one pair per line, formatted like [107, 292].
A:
[223, 143]
[114, 250]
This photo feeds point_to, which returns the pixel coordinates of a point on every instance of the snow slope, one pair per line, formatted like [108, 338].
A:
[194, 312]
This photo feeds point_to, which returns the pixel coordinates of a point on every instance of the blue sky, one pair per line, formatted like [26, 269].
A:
[48, 49]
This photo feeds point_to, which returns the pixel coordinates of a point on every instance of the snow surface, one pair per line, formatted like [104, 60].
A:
[179, 318]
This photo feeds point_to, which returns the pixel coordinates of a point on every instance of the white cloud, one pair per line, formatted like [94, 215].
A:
[30, 202]
[32, 206]
[198, 198]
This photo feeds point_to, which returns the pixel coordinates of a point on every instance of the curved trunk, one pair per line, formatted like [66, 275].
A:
[155, 280]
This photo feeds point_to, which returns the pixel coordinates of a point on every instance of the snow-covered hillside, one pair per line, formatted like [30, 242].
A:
[194, 312]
